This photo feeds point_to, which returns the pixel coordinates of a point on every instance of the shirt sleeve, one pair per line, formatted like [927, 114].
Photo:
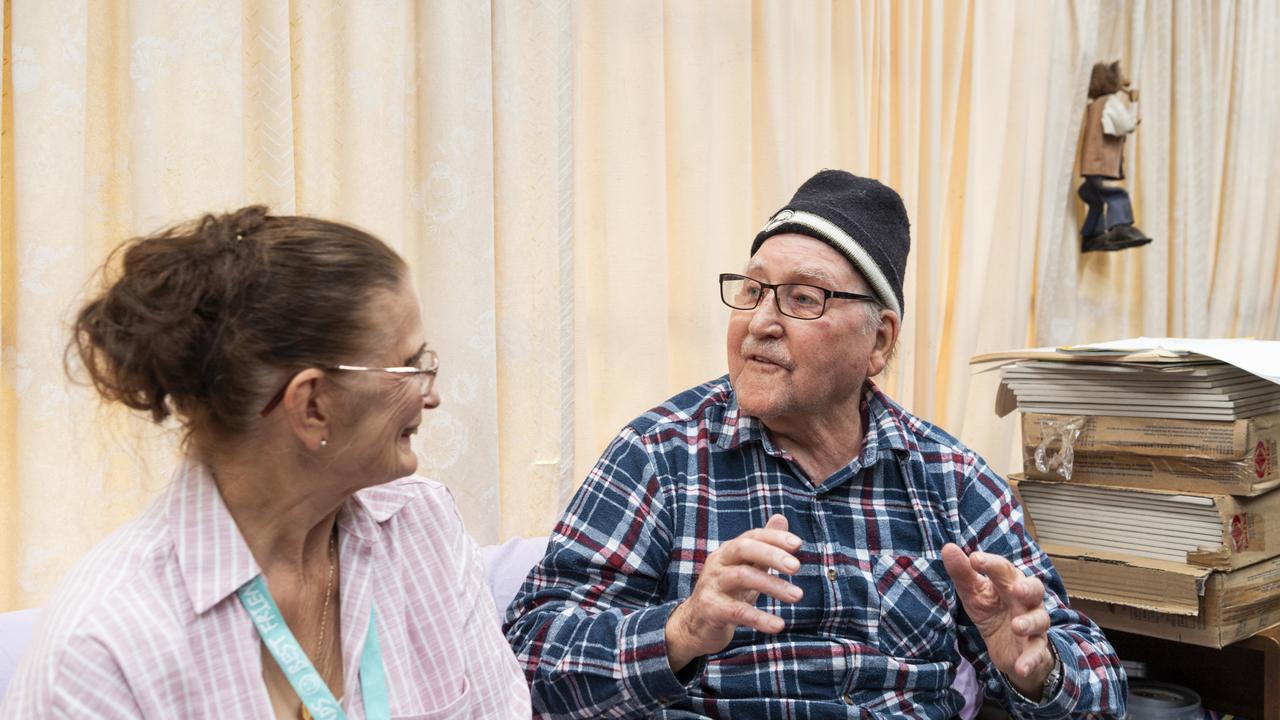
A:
[1118, 118]
[76, 677]
[496, 681]
[589, 624]
[1092, 679]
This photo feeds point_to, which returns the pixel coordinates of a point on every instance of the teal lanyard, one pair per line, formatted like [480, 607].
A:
[297, 667]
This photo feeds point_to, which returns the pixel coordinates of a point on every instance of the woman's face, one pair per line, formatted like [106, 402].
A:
[384, 410]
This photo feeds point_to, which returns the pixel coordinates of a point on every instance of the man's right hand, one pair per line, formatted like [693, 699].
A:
[725, 594]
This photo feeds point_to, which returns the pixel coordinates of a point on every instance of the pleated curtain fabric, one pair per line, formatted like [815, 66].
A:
[566, 179]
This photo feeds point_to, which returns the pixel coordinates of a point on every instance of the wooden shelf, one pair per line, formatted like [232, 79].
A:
[1242, 679]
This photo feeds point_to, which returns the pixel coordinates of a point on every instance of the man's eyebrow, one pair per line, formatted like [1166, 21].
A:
[805, 272]
[413, 359]
[813, 273]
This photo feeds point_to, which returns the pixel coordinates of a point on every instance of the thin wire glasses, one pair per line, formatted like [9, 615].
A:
[797, 300]
[425, 373]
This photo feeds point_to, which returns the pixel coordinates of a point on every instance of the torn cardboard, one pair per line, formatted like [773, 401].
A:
[1059, 462]
[1252, 439]
[1164, 600]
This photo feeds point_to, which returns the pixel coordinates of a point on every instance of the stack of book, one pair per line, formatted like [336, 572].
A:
[1151, 478]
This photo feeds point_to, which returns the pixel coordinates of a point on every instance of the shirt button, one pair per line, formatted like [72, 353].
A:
[831, 574]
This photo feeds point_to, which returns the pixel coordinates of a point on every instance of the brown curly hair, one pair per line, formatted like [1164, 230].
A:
[1105, 79]
[201, 319]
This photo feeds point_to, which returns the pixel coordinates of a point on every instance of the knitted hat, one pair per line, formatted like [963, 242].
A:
[861, 218]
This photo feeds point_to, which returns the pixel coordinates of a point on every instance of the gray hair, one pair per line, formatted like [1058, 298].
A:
[873, 321]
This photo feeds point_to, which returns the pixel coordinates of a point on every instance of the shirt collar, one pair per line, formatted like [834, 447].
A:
[885, 429]
[213, 557]
[368, 509]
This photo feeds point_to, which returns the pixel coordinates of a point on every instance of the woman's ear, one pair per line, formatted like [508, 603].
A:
[307, 404]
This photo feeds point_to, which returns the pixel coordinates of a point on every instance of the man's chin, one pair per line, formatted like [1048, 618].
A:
[759, 404]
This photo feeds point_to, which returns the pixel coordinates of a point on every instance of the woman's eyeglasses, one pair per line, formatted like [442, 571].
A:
[424, 373]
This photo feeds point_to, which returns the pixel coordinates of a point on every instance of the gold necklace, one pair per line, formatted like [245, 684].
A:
[322, 650]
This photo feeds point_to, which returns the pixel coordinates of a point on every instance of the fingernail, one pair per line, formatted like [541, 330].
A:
[792, 565]
[795, 593]
[793, 541]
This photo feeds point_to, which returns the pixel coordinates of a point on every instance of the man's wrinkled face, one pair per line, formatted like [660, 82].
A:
[787, 370]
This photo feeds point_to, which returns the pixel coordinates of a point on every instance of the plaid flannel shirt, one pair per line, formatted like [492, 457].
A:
[879, 632]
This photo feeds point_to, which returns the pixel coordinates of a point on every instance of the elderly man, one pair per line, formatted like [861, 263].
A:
[786, 541]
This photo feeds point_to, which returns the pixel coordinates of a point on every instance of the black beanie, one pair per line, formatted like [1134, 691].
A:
[863, 219]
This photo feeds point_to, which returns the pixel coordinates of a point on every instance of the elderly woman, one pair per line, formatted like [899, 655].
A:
[295, 567]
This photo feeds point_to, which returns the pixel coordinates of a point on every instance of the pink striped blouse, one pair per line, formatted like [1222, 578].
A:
[148, 624]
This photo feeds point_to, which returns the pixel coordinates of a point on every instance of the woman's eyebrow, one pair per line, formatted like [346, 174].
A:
[413, 359]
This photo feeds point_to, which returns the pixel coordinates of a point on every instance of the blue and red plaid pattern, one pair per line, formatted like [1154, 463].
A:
[879, 632]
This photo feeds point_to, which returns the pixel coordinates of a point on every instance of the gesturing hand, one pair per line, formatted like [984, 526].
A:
[725, 593]
[1008, 609]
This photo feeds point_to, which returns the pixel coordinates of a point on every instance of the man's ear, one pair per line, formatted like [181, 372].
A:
[307, 403]
[886, 341]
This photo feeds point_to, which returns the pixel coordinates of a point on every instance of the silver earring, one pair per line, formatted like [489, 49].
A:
[323, 443]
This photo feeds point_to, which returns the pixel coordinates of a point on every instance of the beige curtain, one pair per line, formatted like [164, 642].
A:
[566, 179]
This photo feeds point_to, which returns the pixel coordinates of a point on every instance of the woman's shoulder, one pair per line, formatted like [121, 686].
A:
[105, 605]
[132, 560]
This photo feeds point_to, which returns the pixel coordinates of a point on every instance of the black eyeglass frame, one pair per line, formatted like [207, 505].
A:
[827, 294]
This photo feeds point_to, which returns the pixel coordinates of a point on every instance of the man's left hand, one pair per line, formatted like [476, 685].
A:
[1008, 609]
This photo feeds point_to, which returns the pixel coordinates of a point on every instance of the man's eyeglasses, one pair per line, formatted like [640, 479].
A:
[425, 373]
[797, 300]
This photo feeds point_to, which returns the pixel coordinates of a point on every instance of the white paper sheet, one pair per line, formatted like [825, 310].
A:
[1260, 357]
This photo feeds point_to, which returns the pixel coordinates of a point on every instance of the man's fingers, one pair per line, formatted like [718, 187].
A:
[745, 550]
[777, 521]
[1003, 575]
[1031, 624]
[744, 615]
[967, 580]
[773, 536]
[1031, 591]
[1032, 657]
[737, 578]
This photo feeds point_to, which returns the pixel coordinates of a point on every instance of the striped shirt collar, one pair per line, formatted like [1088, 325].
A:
[212, 555]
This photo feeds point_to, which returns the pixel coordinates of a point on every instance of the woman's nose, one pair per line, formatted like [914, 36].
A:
[431, 399]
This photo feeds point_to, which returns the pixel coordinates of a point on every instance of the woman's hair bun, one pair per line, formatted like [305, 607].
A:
[201, 317]
[245, 220]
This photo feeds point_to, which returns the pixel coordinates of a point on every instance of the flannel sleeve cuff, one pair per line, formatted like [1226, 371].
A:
[1058, 704]
[646, 672]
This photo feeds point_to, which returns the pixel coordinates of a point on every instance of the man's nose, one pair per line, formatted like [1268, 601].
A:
[765, 318]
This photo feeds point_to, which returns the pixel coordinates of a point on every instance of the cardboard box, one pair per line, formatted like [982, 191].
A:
[1249, 477]
[1213, 531]
[1155, 585]
[1211, 608]
[1251, 439]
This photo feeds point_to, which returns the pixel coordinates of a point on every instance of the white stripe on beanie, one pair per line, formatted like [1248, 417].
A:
[847, 246]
